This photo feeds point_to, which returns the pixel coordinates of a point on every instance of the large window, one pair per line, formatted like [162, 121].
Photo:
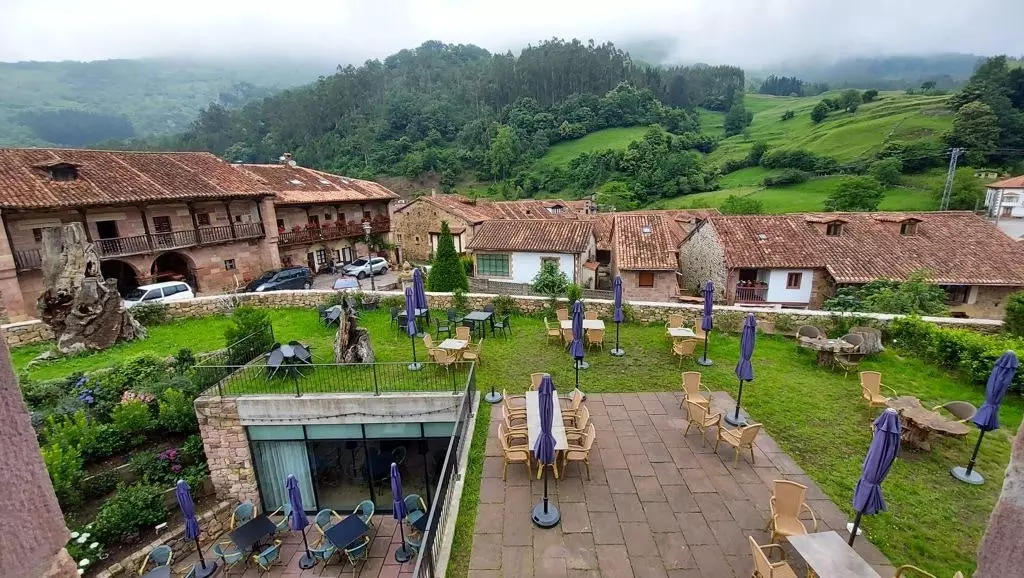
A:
[646, 278]
[492, 265]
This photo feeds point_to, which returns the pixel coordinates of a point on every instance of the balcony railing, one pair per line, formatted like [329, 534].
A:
[141, 244]
[751, 293]
[28, 259]
[332, 232]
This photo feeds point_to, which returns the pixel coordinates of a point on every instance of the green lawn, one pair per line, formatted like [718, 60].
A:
[816, 415]
[609, 138]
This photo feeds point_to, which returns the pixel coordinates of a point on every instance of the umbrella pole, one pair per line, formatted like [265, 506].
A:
[306, 562]
[402, 554]
[577, 364]
[545, 489]
[203, 571]
[734, 418]
[856, 524]
[974, 456]
[617, 352]
[414, 366]
[703, 360]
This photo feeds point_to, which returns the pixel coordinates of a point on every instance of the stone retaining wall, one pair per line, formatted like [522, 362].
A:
[213, 523]
[227, 449]
[726, 317]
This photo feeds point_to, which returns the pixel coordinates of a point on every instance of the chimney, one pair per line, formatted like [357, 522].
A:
[433, 192]
[288, 159]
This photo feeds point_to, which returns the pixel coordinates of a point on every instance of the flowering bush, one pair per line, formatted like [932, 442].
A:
[133, 508]
[85, 548]
[130, 396]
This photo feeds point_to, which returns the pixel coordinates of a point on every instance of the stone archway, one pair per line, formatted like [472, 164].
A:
[175, 266]
[125, 274]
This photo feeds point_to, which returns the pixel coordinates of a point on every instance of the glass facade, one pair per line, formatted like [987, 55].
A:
[339, 466]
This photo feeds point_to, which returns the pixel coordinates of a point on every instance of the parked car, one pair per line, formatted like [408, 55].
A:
[278, 279]
[158, 293]
[361, 267]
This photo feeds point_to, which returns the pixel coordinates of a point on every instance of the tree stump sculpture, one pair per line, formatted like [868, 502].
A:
[83, 309]
[352, 343]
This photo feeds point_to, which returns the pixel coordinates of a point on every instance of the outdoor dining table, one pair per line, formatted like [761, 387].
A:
[421, 523]
[479, 318]
[587, 324]
[247, 536]
[533, 421]
[453, 344]
[681, 332]
[346, 531]
[828, 554]
[826, 348]
[919, 423]
[158, 572]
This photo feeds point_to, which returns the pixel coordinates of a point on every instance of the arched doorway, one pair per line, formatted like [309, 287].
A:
[127, 278]
[174, 266]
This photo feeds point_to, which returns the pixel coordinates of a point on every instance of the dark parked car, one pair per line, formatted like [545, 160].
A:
[287, 278]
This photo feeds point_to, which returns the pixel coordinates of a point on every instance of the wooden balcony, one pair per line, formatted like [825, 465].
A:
[28, 260]
[332, 232]
[142, 244]
[751, 293]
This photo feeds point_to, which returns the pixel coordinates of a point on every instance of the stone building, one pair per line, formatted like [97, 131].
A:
[514, 250]
[799, 260]
[152, 216]
[644, 253]
[320, 216]
[417, 225]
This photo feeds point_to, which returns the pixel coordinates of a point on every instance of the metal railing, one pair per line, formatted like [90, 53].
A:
[28, 259]
[332, 231]
[479, 285]
[258, 378]
[441, 507]
[140, 244]
[749, 294]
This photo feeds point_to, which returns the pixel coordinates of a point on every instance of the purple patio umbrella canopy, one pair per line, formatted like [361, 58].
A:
[745, 369]
[410, 324]
[706, 320]
[617, 314]
[545, 514]
[192, 531]
[987, 417]
[417, 284]
[885, 443]
[402, 554]
[576, 347]
[297, 519]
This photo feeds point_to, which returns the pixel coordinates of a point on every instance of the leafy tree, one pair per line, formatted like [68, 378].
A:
[504, 152]
[915, 296]
[788, 115]
[869, 95]
[550, 280]
[782, 86]
[756, 153]
[447, 273]
[975, 127]
[967, 192]
[927, 86]
[786, 177]
[849, 100]
[615, 194]
[819, 112]
[1013, 319]
[886, 171]
[741, 205]
[736, 119]
[856, 194]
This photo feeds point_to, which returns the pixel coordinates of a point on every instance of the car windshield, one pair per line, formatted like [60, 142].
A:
[134, 295]
[266, 276]
[358, 262]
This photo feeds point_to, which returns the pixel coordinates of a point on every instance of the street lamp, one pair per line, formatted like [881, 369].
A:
[369, 254]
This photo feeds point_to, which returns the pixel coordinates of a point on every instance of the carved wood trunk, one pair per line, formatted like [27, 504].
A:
[351, 343]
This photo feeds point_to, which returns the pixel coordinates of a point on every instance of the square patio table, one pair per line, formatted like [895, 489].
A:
[533, 421]
[453, 344]
[828, 554]
[248, 535]
[587, 324]
[680, 332]
[346, 531]
[479, 318]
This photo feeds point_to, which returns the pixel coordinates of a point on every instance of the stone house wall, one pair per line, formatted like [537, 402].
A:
[989, 302]
[413, 222]
[227, 450]
[665, 286]
[701, 258]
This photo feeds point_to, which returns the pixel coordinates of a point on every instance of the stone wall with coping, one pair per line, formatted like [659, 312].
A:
[227, 450]
[212, 522]
[27, 332]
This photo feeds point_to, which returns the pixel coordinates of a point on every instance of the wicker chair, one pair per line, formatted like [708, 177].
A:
[579, 422]
[871, 389]
[595, 337]
[513, 419]
[691, 389]
[443, 358]
[763, 565]
[739, 438]
[962, 410]
[907, 571]
[700, 416]
[563, 314]
[428, 341]
[463, 333]
[566, 337]
[674, 321]
[786, 504]
[513, 454]
[551, 332]
[683, 348]
[473, 350]
[579, 448]
[535, 379]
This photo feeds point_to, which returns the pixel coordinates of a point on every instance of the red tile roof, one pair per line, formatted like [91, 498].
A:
[117, 177]
[296, 185]
[1010, 183]
[680, 223]
[533, 235]
[644, 241]
[957, 247]
[476, 211]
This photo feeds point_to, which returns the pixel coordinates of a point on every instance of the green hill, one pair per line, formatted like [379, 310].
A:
[609, 138]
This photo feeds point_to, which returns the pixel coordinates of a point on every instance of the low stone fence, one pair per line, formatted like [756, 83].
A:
[727, 318]
[213, 523]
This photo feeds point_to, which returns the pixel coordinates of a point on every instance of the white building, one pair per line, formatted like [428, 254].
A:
[1005, 198]
[514, 250]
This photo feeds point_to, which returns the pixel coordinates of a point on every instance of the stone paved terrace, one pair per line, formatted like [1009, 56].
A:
[656, 504]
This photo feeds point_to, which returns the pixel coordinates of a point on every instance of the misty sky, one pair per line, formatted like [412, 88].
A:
[745, 32]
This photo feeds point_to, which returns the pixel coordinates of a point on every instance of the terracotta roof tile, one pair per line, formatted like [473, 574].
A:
[117, 177]
[957, 247]
[1010, 183]
[296, 185]
[476, 211]
[533, 235]
[644, 241]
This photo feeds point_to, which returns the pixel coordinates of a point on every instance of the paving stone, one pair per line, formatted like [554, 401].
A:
[731, 539]
[606, 528]
[486, 554]
[612, 459]
[489, 518]
[617, 413]
[698, 481]
[652, 405]
[657, 452]
[648, 489]
[639, 465]
[680, 499]
[598, 499]
[628, 508]
[632, 402]
[667, 473]
[660, 517]
[580, 552]
[572, 573]
[648, 567]
[623, 428]
[742, 565]
[759, 495]
[631, 445]
[713, 507]
[648, 434]
[517, 528]
[711, 561]
[695, 529]
[712, 464]
[574, 517]
[614, 561]
[492, 490]
[674, 551]
[517, 561]
[549, 544]
[492, 467]
[747, 517]
[727, 488]
[687, 573]
[551, 568]
[639, 540]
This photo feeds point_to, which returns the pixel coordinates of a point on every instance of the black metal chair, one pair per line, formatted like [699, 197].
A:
[453, 317]
[501, 325]
[489, 308]
[443, 326]
[394, 316]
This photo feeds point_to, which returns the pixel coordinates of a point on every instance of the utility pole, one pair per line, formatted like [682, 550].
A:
[954, 154]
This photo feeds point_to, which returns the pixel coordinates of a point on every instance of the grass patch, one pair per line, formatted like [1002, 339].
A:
[609, 138]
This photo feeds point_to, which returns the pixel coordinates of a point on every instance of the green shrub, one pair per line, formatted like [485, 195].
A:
[183, 361]
[573, 293]
[887, 171]
[459, 301]
[785, 177]
[176, 412]
[447, 272]
[467, 264]
[64, 464]
[43, 394]
[505, 305]
[192, 450]
[550, 280]
[392, 301]
[84, 547]
[132, 509]
[132, 419]
[100, 485]
[111, 441]
[249, 336]
[150, 314]
[138, 370]
[1013, 320]
[75, 431]
[628, 313]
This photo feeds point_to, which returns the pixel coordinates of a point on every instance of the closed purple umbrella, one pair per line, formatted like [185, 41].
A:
[617, 314]
[410, 325]
[744, 369]
[421, 294]
[545, 515]
[297, 519]
[885, 443]
[576, 347]
[402, 554]
[192, 531]
[706, 320]
[987, 417]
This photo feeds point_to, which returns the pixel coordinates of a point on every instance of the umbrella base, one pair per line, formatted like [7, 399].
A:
[307, 561]
[582, 364]
[618, 352]
[960, 473]
[731, 419]
[403, 555]
[550, 519]
[492, 397]
[704, 361]
[849, 529]
[415, 366]
[201, 572]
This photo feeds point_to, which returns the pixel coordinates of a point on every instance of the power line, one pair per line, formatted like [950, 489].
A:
[948, 189]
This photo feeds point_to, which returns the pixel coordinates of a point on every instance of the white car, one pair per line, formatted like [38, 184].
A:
[158, 293]
[361, 268]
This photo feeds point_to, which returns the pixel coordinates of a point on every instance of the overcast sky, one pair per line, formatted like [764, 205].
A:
[745, 32]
